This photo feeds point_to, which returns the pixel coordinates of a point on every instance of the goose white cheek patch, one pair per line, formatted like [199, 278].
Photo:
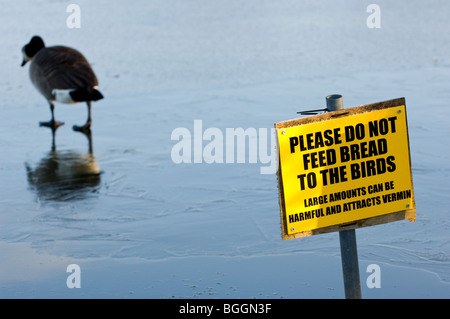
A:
[63, 96]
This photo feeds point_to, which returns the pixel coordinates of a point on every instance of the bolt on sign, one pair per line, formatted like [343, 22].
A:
[345, 169]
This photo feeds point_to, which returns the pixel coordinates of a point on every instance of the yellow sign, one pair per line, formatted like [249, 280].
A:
[341, 169]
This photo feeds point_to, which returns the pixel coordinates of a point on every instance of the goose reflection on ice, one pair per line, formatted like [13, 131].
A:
[65, 175]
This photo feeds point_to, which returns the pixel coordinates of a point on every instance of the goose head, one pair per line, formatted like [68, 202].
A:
[29, 50]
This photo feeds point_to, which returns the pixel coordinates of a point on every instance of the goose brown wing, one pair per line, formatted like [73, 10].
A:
[61, 67]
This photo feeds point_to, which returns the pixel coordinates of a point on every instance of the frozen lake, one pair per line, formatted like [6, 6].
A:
[147, 227]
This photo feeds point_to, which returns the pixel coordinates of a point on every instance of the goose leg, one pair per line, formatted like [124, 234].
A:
[52, 123]
[87, 125]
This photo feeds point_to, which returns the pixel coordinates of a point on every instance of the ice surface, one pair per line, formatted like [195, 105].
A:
[213, 230]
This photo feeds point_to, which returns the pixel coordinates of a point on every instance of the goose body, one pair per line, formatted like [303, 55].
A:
[61, 74]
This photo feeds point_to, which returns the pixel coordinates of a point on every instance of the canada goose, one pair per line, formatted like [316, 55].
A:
[63, 75]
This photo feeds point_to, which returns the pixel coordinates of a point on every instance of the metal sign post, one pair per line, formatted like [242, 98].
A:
[345, 169]
[350, 268]
[347, 238]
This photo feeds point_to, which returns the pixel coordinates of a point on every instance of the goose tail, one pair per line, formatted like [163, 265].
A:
[77, 95]
[82, 95]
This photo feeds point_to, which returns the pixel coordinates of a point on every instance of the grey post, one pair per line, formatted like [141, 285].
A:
[334, 102]
[347, 238]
